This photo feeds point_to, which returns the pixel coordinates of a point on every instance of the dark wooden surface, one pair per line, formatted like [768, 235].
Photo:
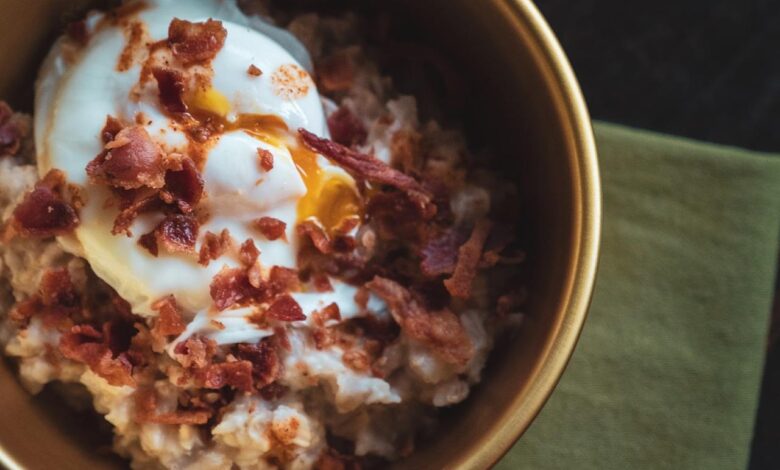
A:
[707, 69]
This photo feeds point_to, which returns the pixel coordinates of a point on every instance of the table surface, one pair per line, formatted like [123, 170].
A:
[706, 69]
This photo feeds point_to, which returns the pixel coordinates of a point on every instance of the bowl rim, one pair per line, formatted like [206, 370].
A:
[528, 21]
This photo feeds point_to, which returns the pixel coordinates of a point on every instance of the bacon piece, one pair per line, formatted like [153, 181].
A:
[282, 279]
[169, 321]
[214, 246]
[231, 286]
[441, 330]
[133, 204]
[366, 167]
[177, 233]
[322, 283]
[56, 289]
[44, 212]
[440, 254]
[130, 161]
[285, 308]
[248, 253]
[346, 128]
[266, 159]
[317, 235]
[329, 312]
[266, 366]
[84, 343]
[469, 254]
[183, 187]
[110, 129]
[196, 42]
[10, 133]
[146, 411]
[236, 374]
[170, 87]
[254, 70]
[195, 352]
[271, 228]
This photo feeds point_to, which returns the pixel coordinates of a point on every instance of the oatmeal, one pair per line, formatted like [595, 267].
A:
[250, 256]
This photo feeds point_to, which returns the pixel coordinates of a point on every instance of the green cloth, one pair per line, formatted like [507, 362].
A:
[668, 369]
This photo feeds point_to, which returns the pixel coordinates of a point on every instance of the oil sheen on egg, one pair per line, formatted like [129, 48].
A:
[75, 94]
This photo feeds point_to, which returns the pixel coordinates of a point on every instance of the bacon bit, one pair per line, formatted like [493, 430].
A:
[469, 254]
[336, 73]
[170, 86]
[130, 161]
[57, 290]
[271, 228]
[441, 331]
[281, 339]
[346, 128]
[273, 391]
[169, 321]
[149, 241]
[291, 82]
[110, 129]
[214, 246]
[254, 71]
[77, 30]
[285, 308]
[248, 253]
[196, 42]
[361, 297]
[85, 344]
[236, 374]
[440, 254]
[43, 212]
[183, 187]
[10, 133]
[134, 33]
[136, 204]
[266, 160]
[195, 352]
[231, 286]
[266, 366]
[356, 360]
[23, 311]
[366, 167]
[343, 243]
[146, 411]
[317, 235]
[177, 233]
[322, 283]
[323, 338]
[329, 312]
[282, 279]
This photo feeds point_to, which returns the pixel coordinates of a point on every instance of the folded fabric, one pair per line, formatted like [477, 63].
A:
[668, 368]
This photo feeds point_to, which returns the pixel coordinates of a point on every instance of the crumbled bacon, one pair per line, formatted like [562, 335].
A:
[271, 228]
[345, 128]
[236, 374]
[84, 343]
[366, 167]
[170, 86]
[281, 340]
[110, 129]
[329, 312]
[183, 187]
[323, 337]
[169, 321]
[177, 233]
[56, 289]
[266, 366]
[231, 286]
[321, 283]
[469, 254]
[146, 411]
[285, 308]
[254, 70]
[266, 159]
[439, 254]
[10, 133]
[273, 391]
[441, 330]
[195, 352]
[196, 42]
[44, 212]
[356, 360]
[133, 204]
[214, 246]
[130, 161]
[317, 235]
[282, 279]
[248, 253]
[361, 297]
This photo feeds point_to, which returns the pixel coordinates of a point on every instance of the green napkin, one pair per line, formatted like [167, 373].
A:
[668, 368]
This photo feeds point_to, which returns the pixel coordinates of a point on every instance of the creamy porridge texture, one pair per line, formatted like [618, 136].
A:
[243, 243]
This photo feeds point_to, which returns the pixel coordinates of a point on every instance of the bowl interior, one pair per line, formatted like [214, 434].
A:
[516, 97]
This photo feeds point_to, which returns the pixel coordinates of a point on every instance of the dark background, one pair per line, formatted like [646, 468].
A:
[707, 69]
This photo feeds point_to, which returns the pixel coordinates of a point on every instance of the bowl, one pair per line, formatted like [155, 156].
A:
[523, 98]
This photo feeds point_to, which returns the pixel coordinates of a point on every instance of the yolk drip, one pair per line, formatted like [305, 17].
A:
[331, 198]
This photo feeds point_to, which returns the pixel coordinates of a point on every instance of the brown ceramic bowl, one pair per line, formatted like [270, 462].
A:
[524, 100]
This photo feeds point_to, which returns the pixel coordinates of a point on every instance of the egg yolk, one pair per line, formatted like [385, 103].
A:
[330, 198]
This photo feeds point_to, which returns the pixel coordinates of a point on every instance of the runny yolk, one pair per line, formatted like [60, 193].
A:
[330, 198]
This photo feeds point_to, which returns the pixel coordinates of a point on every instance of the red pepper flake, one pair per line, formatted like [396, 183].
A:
[285, 308]
[254, 71]
[214, 246]
[266, 159]
[196, 42]
[283, 279]
[271, 228]
[44, 212]
[469, 254]
[130, 161]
